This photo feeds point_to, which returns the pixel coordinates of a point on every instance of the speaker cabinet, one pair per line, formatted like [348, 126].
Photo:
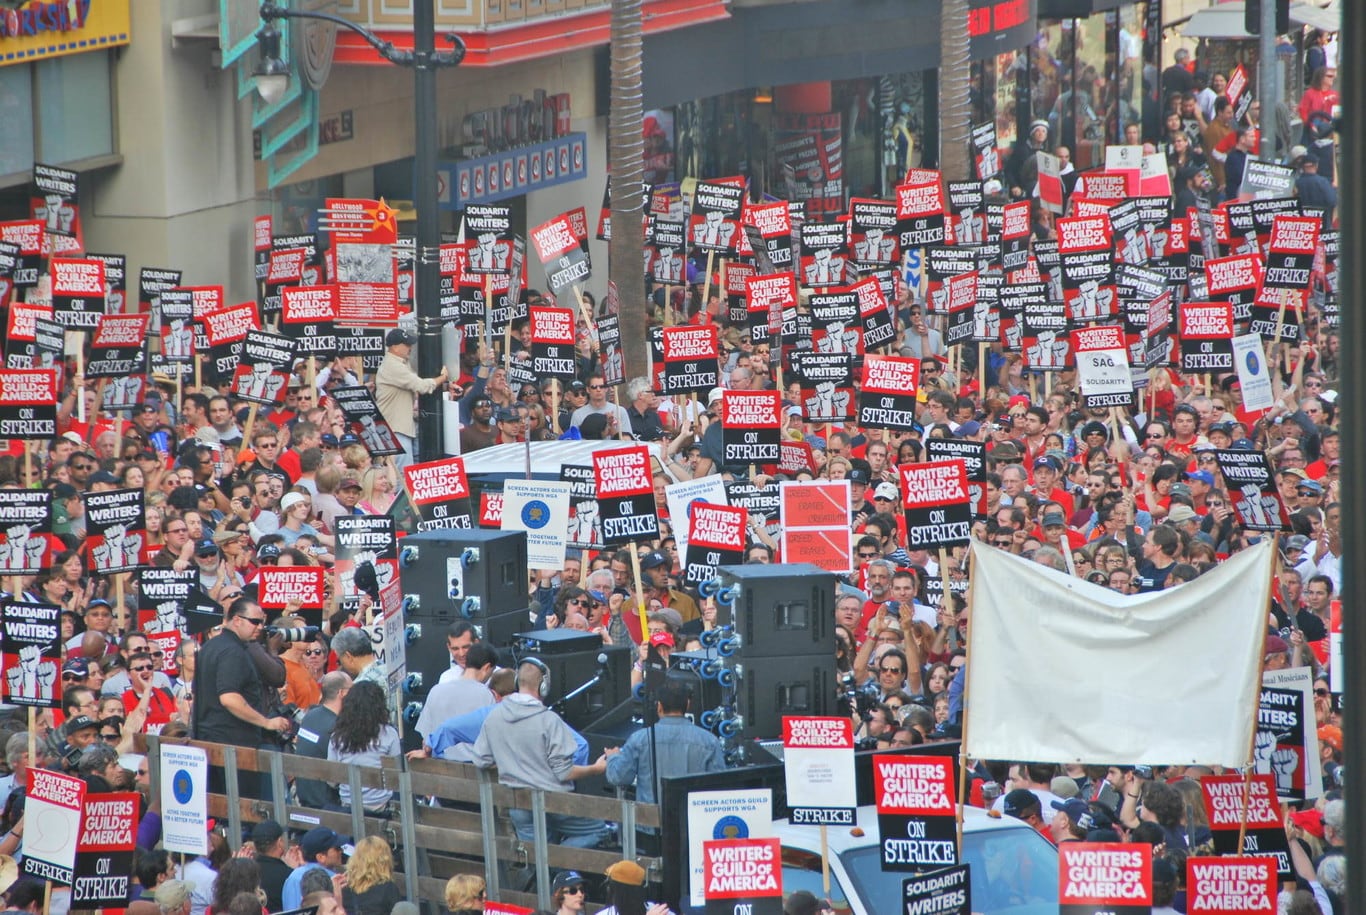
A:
[469, 574]
[570, 670]
[780, 610]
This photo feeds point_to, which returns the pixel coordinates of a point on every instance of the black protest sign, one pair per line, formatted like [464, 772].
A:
[263, 370]
[308, 316]
[365, 539]
[986, 158]
[365, 342]
[56, 201]
[585, 525]
[714, 223]
[610, 354]
[26, 542]
[941, 263]
[1015, 231]
[78, 292]
[104, 850]
[115, 281]
[837, 325]
[827, 384]
[1157, 335]
[974, 458]
[872, 232]
[716, 537]
[286, 269]
[178, 339]
[1043, 334]
[920, 214]
[823, 253]
[1235, 280]
[440, 492]
[28, 403]
[874, 312]
[10, 259]
[202, 612]
[115, 529]
[768, 228]
[224, 332]
[1327, 280]
[1128, 234]
[1278, 745]
[668, 261]
[942, 891]
[1251, 484]
[560, 254]
[32, 339]
[119, 347]
[887, 395]
[915, 811]
[552, 343]
[626, 495]
[750, 427]
[1264, 834]
[759, 501]
[491, 228]
[1088, 286]
[364, 419]
[1206, 332]
[938, 505]
[152, 282]
[163, 594]
[733, 281]
[986, 310]
[31, 240]
[961, 295]
[520, 372]
[1287, 279]
[767, 297]
[452, 264]
[690, 357]
[967, 213]
[33, 654]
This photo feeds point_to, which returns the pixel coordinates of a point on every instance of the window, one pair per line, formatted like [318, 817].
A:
[16, 113]
[57, 111]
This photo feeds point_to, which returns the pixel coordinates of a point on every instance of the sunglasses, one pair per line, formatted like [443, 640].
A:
[255, 620]
[891, 670]
[141, 668]
[573, 890]
[110, 738]
[1322, 693]
[313, 652]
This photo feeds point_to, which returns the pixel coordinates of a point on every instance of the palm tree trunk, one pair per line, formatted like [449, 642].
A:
[954, 104]
[625, 159]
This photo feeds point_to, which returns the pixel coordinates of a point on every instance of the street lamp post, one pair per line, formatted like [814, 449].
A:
[424, 60]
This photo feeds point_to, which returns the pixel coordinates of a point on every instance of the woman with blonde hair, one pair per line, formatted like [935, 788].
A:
[370, 888]
[378, 489]
[465, 894]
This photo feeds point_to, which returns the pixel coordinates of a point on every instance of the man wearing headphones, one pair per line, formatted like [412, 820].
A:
[533, 748]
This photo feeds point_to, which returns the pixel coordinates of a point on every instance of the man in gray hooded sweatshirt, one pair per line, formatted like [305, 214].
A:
[533, 748]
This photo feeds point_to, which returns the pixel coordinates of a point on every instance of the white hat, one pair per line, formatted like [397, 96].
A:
[715, 395]
[885, 490]
[292, 499]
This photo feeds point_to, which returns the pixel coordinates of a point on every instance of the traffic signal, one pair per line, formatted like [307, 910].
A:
[1252, 17]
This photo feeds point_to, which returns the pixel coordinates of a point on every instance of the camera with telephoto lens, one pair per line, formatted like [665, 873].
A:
[297, 634]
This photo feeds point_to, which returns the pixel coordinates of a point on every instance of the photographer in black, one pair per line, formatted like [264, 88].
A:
[236, 683]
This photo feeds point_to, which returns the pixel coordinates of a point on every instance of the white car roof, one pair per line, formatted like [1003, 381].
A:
[841, 838]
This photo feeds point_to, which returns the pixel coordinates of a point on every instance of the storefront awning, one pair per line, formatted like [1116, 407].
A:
[546, 37]
[1226, 20]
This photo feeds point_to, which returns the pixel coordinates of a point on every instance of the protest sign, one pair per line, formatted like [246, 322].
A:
[1251, 484]
[1264, 836]
[115, 534]
[223, 331]
[887, 396]
[1085, 246]
[552, 343]
[937, 504]
[815, 523]
[1286, 744]
[184, 799]
[26, 542]
[1206, 331]
[1254, 382]
[371, 284]
[119, 346]
[872, 232]
[768, 229]
[560, 254]
[32, 654]
[1238, 885]
[1235, 280]
[743, 876]
[162, 596]
[303, 584]
[766, 298]
[750, 427]
[440, 492]
[55, 200]
[715, 218]
[915, 811]
[974, 458]
[818, 769]
[710, 490]
[309, 317]
[716, 537]
[714, 815]
[920, 214]
[78, 292]
[263, 368]
[366, 540]
[585, 524]
[625, 481]
[690, 359]
[104, 851]
[541, 509]
[491, 228]
[55, 801]
[942, 891]
[1103, 367]
[824, 253]
[1097, 877]
[364, 419]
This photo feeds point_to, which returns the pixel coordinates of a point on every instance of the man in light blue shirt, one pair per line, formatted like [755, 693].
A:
[323, 849]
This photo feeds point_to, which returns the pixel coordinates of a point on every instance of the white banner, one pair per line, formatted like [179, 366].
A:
[541, 508]
[744, 814]
[1126, 679]
[184, 799]
[1255, 384]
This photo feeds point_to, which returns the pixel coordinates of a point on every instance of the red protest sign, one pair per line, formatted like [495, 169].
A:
[28, 403]
[690, 359]
[440, 491]
[743, 869]
[491, 509]
[166, 643]
[280, 586]
[1265, 835]
[815, 524]
[626, 499]
[938, 504]
[915, 811]
[1095, 877]
[716, 537]
[1241, 885]
[1206, 331]
[56, 801]
[750, 427]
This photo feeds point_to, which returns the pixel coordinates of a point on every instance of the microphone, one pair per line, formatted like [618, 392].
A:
[603, 670]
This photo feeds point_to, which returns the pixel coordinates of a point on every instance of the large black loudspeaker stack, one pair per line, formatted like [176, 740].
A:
[449, 575]
[575, 660]
[773, 653]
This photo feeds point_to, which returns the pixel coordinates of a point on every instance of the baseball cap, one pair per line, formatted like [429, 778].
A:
[206, 548]
[1005, 451]
[1276, 645]
[329, 440]
[1074, 807]
[1180, 514]
[1180, 489]
[577, 386]
[349, 483]
[103, 476]
[269, 551]
[859, 475]
[349, 438]
[1018, 801]
[885, 491]
[1313, 486]
[80, 723]
[1054, 519]
[628, 873]
[1296, 542]
[662, 638]
[971, 427]
[654, 559]
[1296, 472]
[506, 415]
[266, 833]
[1298, 151]
[1047, 461]
[399, 336]
[1204, 476]
[78, 666]
[320, 839]
[146, 407]
[565, 879]
[1064, 786]
[1243, 444]
[1224, 427]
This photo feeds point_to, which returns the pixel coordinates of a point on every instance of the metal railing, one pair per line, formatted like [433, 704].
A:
[472, 833]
